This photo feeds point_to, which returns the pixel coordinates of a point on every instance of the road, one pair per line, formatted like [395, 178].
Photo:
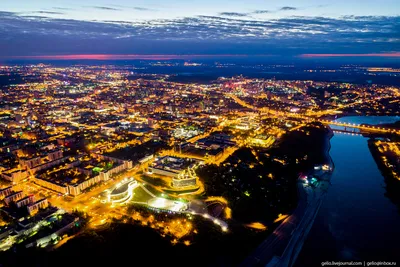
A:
[313, 116]
[282, 247]
[87, 202]
[276, 243]
[295, 245]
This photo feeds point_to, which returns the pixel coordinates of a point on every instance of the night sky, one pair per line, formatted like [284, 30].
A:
[199, 27]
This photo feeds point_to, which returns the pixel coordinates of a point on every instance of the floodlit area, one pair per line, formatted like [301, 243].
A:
[123, 191]
[167, 204]
[129, 190]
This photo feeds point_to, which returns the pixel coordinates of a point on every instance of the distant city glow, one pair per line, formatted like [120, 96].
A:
[393, 54]
[128, 56]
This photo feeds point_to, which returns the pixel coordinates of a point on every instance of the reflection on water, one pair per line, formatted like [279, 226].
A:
[356, 220]
[364, 120]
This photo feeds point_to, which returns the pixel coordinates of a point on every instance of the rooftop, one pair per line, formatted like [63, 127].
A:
[174, 164]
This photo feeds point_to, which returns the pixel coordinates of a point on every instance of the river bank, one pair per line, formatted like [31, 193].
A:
[356, 221]
[282, 247]
[327, 148]
[388, 172]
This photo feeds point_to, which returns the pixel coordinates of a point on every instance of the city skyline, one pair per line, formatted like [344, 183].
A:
[198, 164]
[199, 133]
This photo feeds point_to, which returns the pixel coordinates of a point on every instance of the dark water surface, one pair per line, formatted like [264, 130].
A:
[356, 221]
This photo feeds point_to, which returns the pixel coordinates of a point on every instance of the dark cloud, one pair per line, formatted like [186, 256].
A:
[118, 21]
[105, 8]
[233, 14]
[63, 8]
[138, 8]
[47, 12]
[286, 8]
[142, 9]
[261, 11]
[22, 35]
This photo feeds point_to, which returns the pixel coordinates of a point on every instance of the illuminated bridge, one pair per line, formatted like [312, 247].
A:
[367, 128]
[309, 117]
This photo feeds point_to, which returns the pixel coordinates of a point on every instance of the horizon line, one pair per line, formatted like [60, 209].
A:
[129, 56]
[391, 54]
[186, 56]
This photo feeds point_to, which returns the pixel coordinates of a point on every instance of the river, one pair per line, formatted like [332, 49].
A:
[356, 221]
